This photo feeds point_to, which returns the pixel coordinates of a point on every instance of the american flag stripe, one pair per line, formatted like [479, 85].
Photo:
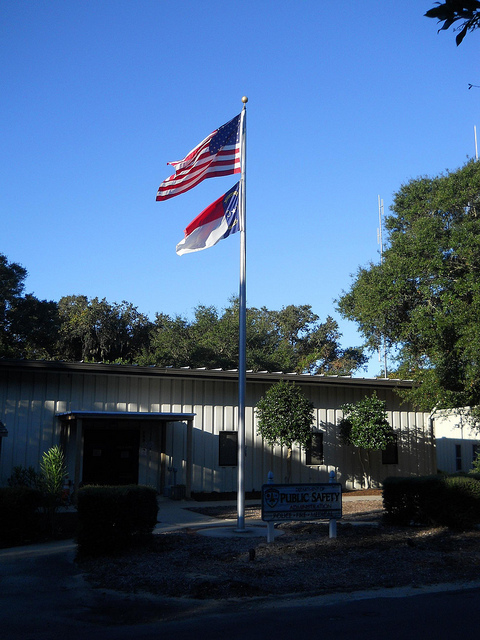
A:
[223, 159]
[217, 155]
[204, 170]
[205, 166]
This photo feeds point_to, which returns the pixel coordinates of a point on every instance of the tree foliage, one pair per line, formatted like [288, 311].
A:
[78, 328]
[476, 464]
[364, 424]
[28, 326]
[96, 330]
[285, 415]
[285, 418]
[424, 298]
[450, 12]
[291, 339]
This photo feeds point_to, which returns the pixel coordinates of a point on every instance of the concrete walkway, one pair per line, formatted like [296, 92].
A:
[174, 515]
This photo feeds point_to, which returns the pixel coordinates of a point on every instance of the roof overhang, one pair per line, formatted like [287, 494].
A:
[201, 374]
[125, 415]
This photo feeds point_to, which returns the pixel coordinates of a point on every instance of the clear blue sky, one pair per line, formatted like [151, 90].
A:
[347, 101]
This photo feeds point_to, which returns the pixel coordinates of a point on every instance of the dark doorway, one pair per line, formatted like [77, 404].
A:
[110, 456]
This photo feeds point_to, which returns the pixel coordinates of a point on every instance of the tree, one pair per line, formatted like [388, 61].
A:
[78, 328]
[285, 418]
[476, 464]
[424, 298]
[34, 328]
[291, 339]
[96, 330]
[365, 426]
[28, 326]
[452, 11]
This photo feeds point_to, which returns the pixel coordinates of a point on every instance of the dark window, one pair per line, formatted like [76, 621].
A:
[228, 448]
[315, 449]
[458, 457]
[390, 454]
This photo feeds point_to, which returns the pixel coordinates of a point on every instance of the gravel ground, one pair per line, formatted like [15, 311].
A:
[366, 554]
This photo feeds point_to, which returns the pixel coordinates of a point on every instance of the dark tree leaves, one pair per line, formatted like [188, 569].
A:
[424, 298]
[453, 11]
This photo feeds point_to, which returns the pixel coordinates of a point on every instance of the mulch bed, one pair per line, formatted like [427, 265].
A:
[303, 561]
[366, 554]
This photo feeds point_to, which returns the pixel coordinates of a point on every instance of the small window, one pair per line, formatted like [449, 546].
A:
[228, 448]
[315, 449]
[458, 457]
[390, 454]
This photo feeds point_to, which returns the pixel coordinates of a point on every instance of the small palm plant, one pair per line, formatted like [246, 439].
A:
[53, 476]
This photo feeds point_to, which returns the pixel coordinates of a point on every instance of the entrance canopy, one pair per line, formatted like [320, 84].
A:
[127, 415]
[82, 420]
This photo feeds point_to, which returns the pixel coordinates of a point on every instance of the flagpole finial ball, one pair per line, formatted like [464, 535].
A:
[244, 99]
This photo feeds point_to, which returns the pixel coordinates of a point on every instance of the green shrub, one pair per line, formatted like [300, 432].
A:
[52, 479]
[452, 501]
[112, 518]
[49, 483]
[54, 473]
[24, 477]
[399, 501]
[408, 500]
[19, 518]
[462, 503]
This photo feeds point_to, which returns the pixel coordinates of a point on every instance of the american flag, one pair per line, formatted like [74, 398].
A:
[217, 155]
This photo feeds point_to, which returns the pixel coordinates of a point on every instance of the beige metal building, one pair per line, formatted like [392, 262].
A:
[457, 441]
[162, 426]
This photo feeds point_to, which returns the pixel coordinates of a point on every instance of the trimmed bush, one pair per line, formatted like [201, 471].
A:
[452, 501]
[25, 477]
[462, 502]
[19, 517]
[399, 501]
[112, 518]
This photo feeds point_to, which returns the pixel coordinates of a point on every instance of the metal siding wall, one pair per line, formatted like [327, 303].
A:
[176, 445]
[12, 453]
[29, 402]
[204, 407]
[4, 454]
[153, 395]
[204, 419]
[257, 455]
[111, 400]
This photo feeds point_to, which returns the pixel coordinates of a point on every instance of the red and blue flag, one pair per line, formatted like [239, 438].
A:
[216, 222]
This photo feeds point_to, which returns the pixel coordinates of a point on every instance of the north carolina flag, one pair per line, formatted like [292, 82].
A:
[217, 155]
[217, 221]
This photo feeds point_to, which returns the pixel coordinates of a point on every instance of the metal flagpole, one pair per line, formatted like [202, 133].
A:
[242, 334]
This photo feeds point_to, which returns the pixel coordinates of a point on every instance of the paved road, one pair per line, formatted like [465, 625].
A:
[44, 597]
[438, 616]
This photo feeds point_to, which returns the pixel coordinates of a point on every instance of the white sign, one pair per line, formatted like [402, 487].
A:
[301, 502]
